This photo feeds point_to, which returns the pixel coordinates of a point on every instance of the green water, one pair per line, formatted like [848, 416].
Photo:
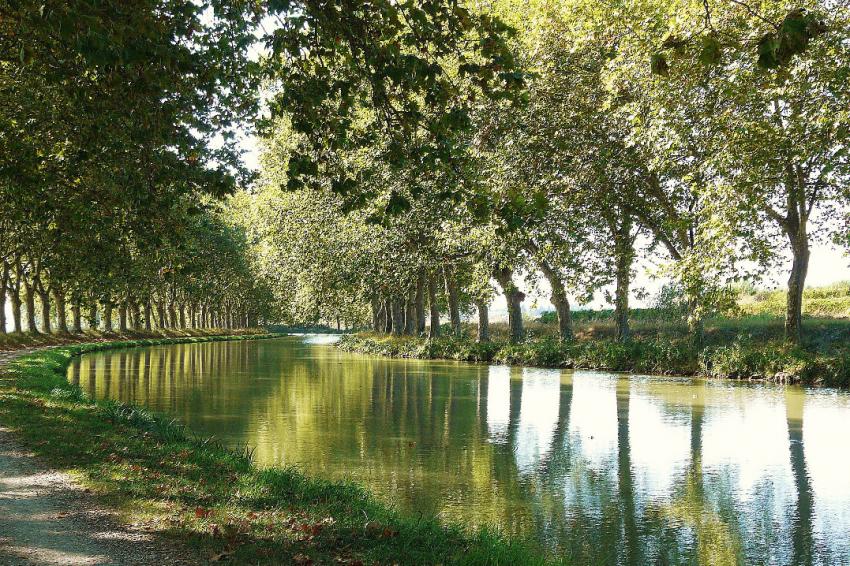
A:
[605, 468]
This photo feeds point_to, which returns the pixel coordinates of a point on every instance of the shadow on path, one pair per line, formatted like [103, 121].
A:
[45, 518]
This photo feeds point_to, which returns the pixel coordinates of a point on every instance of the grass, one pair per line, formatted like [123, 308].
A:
[26, 340]
[215, 500]
[739, 348]
[832, 301]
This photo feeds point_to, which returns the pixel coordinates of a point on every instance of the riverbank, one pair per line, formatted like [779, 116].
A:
[15, 341]
[741, 358]
[212, 500]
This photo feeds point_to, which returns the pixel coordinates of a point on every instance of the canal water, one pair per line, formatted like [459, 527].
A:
[600, 467]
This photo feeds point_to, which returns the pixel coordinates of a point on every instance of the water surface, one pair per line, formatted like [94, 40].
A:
[602, 467]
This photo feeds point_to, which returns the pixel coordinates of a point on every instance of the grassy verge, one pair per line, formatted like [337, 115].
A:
[25, 340]
[214, 499]
[741, 358]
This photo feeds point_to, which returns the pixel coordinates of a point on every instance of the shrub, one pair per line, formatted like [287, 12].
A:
[743, 359]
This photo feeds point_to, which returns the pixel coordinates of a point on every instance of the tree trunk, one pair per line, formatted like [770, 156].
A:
[696, 326]
[434, 331]
[76, 317]
[388, 307]
[122, 316]
[203, 316]
[44, 297]
[514, 298]
[410, 314]
[796, 284]
[172, 315]
[4, 277]
[376, 314]
[181, 309]
[383, 316]
[420, 303]
[107, 316]
[30, 308]
[61, 316]
[560, 301]
[483, 321]
[398, 317]
[621, 305]
[559, 294]
[454, 303]
[15, 298]
[624, 256]
[92, 317]
[160, 314]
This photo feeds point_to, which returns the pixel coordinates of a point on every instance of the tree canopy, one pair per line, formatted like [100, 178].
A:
[418, 156]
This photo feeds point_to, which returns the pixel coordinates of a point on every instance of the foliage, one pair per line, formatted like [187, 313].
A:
[740, 356]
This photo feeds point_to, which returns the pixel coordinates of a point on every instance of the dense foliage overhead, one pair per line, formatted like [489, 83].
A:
[418, 156]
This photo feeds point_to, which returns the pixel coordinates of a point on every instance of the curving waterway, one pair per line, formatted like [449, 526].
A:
[601, 467]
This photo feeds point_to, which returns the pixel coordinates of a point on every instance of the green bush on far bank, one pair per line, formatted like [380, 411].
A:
[740, 359]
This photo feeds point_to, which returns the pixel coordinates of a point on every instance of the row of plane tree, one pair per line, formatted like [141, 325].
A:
[708, 138]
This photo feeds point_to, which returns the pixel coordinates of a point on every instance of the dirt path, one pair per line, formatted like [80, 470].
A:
[45, 518]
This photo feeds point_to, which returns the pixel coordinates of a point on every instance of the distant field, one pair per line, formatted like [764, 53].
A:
[832, 301]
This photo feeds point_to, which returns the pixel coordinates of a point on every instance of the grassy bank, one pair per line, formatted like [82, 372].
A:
[25, 340]
[742, 356]
[214, 499]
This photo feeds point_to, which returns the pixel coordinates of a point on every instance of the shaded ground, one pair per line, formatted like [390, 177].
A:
[45, 518]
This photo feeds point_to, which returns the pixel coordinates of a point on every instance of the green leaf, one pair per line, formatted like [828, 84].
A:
[710, 54]
[768, 48]
[343, 186]
[658, 64]
[397, 204]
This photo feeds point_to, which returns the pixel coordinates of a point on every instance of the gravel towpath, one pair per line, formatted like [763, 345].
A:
[46, 518]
